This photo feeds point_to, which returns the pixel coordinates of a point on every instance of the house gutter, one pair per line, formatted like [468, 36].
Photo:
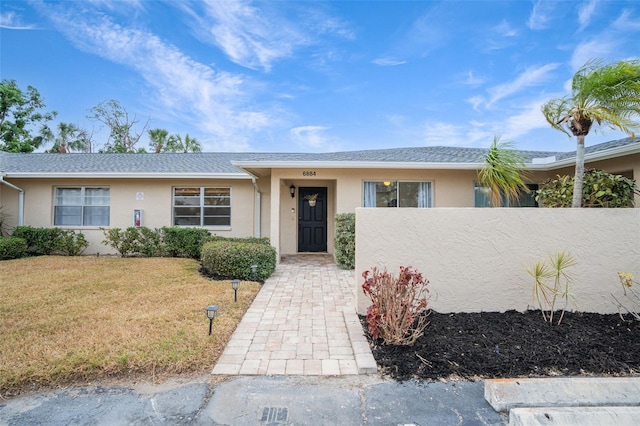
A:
[20, 199]
[258, 225]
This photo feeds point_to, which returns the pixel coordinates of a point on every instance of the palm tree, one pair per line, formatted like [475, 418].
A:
[176, 144]
[503, 172]
[158, 139]
[70, 138]
[604, 93]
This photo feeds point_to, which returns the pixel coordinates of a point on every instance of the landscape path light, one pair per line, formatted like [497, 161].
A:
[254, 271]
[212, 310]
[235, 284]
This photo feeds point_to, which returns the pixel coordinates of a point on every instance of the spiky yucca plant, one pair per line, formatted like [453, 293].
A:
[503, 172]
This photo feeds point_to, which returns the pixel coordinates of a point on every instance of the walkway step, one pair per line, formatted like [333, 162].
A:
[578, 416]
[505, 394]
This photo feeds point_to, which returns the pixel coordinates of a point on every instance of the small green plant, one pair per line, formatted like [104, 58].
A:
[631, 296]
[551, 283]
[12, 248]
[397, 314]
[345, 241]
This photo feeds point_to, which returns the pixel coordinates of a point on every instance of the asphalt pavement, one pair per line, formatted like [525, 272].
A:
[260, 400]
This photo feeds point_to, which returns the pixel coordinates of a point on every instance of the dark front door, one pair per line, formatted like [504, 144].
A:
[312, 220]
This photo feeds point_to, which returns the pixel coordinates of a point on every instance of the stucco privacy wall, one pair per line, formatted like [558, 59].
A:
[156, 204]
[476, 259]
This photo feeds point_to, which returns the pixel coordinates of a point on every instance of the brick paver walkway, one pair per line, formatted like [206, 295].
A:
[302, 322]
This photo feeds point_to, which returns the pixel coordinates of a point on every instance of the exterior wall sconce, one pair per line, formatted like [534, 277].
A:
[235, 284]
[386, 183]
[292, 190]
[211, 314]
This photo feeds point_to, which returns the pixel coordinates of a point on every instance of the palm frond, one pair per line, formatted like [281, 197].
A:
[503, 172]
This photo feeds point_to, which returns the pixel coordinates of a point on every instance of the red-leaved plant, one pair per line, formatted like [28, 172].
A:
[397, 313]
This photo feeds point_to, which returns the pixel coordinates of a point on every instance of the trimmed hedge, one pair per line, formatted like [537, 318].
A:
[233, 259]
[345, 241]
[46, 241]
[184, 242]
[12, 248]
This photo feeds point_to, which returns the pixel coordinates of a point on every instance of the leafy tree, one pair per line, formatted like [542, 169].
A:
[19, 111]
[70, 138]
[604, 93]
[503, 172]
[122, 138]
[159, 139]
[189, 144]
[600, 189]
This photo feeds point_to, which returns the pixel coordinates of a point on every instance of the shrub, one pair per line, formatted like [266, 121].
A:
[132, 240]
[397, 314]
[600, 189]
[546, 294]
[40, 241]
[12, 248]
[231, 259]
[184, 242]
[71, 244]
[345, 241]
[46, 241]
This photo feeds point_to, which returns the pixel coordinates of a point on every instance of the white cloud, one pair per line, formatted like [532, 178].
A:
[438, 133]
[530, 77]
[527, 119]
[600, 48]
[213, 103]
[585, 12]
[541, 15]
[11, 21]
[244, 33]
[505, 30]
[388, 62]
[626, 23]
[309, 136]
[476, 101]
[473, 80]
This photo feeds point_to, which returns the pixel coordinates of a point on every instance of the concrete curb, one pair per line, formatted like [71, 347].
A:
[583, 416]
[506, 394]
[360, 345]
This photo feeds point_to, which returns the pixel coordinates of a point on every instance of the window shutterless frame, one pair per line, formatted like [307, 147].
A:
[81, 206]
[398, 193]
[202, 206]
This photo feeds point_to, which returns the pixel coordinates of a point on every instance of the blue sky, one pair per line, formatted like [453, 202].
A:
[310, 76]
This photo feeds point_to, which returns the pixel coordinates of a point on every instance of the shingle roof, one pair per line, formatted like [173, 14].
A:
[221, 163]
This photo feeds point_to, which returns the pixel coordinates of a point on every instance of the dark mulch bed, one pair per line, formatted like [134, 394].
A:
[513, 344]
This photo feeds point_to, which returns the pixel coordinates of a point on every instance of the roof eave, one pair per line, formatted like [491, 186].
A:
[129, 175]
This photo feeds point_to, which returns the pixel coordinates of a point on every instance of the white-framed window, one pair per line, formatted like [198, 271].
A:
[397, 194]
[482, 197]
[81, 206]
[201, 206]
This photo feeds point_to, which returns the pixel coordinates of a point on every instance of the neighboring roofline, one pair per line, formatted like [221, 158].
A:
[607, 154]
[352, 164]
[128, 175]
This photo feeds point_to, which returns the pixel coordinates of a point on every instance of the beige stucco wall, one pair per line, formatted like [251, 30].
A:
[476, 259]
[155, 203]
